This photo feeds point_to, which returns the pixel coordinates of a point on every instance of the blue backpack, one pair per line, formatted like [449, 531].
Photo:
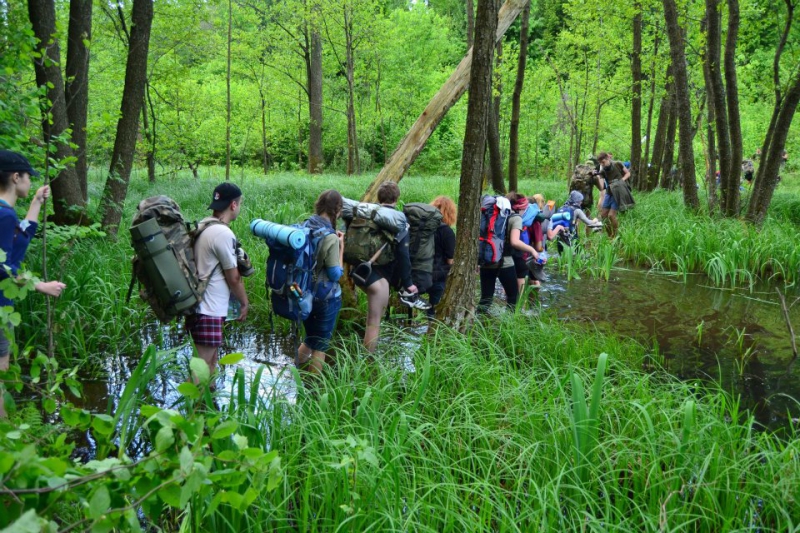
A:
[290, 273]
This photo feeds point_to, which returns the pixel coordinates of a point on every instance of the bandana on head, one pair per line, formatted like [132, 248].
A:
[520, 205]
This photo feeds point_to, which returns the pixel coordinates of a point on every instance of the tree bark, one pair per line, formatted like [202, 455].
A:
[668, 161]
[734, 123]
[684, 111]
[353, 164]
[68, 201]
[316, 159]
[659, 143]
[116, 187]
[452, 90]
[228, 95]
[516, 98]
[76, 90]
[493, 137]
[645, 173]
[637, 178]
[470, 23]
[458, 304]
[149, 134]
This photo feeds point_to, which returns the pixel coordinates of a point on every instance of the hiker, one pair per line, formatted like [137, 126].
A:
[215, 255]
[15, 236]
[585, 179]
[321, 322]
[617, 196]
[445, 249]
[505, 269]
[748, 171]
[564, 222]
[376, 286]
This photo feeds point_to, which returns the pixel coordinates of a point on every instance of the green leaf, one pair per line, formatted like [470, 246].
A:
[171, 494]
[49, 405]
[240, 441]
[231, 359]
[100, 502]
[27, 523]
[224, 430]
[200, 370]
[187, 461]
[103, 424]
[164, 439]
[227, 455]
[189, 390]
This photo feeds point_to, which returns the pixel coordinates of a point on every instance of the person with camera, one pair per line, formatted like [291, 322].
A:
[617, 195]
[215, 252]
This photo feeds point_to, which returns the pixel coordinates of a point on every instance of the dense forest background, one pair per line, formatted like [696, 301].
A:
[336, 84]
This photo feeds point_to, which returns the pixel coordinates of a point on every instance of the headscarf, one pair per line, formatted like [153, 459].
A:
[520, 205]
[575, 197]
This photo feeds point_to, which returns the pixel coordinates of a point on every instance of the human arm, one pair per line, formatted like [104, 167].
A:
[448, 246]
[50, 288]
[580, 215]
[333, 255]
[42, 193]
[517, 244]
[234, 280]
[626, 173]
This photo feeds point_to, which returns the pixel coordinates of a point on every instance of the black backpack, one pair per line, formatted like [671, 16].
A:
[423, 221]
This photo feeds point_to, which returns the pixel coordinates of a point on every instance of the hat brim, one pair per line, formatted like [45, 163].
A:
[219, 205]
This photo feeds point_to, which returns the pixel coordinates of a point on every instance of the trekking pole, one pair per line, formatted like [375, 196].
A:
[44, 250]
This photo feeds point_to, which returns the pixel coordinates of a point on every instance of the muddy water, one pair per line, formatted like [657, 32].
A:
[737, 337]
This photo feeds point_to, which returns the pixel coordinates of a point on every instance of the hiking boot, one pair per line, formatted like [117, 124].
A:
[413, 300]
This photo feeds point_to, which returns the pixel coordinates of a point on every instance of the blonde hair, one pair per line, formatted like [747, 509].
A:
[448, 209]
[539, 200]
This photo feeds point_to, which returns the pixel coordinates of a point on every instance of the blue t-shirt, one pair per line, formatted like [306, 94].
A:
[15, 236]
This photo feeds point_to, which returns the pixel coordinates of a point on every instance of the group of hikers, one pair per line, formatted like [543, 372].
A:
[410, 250]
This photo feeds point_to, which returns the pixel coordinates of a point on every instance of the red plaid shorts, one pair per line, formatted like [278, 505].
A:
[205, 330]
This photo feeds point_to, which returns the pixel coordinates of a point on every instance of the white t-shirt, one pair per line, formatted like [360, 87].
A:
[215, 251]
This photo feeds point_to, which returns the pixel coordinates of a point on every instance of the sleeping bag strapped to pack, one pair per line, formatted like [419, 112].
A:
[370, 226]
[423, 221]
[494, 217]
[565, 216]
[164, 263]
[291, 264]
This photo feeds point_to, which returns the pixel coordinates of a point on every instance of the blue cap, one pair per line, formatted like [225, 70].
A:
[14, 162]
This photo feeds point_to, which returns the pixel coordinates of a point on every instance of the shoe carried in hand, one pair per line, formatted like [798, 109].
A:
[412, 299]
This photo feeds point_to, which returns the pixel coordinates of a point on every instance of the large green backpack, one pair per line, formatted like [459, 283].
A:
[423, 221]
[164, 262]
[363, 238]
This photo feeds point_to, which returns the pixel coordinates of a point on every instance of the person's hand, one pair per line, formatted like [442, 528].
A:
[243, 312]
[340, 236]
[412, 289]
[50, 288]
[42, 194]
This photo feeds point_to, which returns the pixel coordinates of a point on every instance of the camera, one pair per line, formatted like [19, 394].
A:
[243, 263]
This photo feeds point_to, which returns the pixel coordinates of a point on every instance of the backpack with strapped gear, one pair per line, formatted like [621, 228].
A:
[291, 266]
[493, 227]
[363, 238]
[423, 221]
[583, 180]
[565, 216]
[164, 263]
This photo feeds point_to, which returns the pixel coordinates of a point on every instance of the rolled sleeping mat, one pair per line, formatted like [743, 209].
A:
[285, 235]
[167, 280]
[561, 216]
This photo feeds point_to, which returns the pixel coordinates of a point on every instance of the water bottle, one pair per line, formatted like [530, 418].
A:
[542, 258]
[234, 308]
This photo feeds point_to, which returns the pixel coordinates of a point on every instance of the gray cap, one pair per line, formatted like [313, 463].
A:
[575, 197]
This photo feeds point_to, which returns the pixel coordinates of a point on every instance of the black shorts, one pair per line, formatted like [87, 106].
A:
[520, 267]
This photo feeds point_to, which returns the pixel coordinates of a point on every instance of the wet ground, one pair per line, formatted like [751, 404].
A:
[738, 337]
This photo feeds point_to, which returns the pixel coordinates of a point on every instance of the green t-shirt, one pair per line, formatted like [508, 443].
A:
[328, 255]
[514, 223]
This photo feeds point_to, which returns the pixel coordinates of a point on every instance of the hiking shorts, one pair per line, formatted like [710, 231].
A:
[520, 268]
[321, 322]
[205, 330]
[609, 202]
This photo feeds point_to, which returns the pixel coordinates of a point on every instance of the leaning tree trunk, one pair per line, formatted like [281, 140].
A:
[637, 177]
[68, 200]
[452, 90]
[458, 304]
[316, 159]
[684, 111]
[732, 96]
[516, 98]
[76, 90]
[128, 125]
[493, 132]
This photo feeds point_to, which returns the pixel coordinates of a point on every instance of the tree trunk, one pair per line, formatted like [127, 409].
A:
[458, 304]
[470, 23]
[659, 143]
[637, 178]
[353, 166]
[729, 184]
[228, 96]
[116, 187]
[645, 172]
[452, 90]
[775, 139]
[149, 135]
[734, 123]
[493, 134]
[711, 150]
[669, 143]
[684, 111]
[316, 159]
[76, 90]
[68, 200]
[513, 133]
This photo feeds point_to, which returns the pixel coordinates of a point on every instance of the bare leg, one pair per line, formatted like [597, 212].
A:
[209, 354]
[377, 300]
[606, 225]
[313, 358]
[614, 226]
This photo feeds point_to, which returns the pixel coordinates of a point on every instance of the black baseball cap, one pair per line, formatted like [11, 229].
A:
[224, 194]
[14, 162]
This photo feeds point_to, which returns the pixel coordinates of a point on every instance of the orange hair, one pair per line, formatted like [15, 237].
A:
[447, 208]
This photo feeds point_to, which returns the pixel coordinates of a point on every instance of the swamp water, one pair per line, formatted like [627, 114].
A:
[736, 337]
